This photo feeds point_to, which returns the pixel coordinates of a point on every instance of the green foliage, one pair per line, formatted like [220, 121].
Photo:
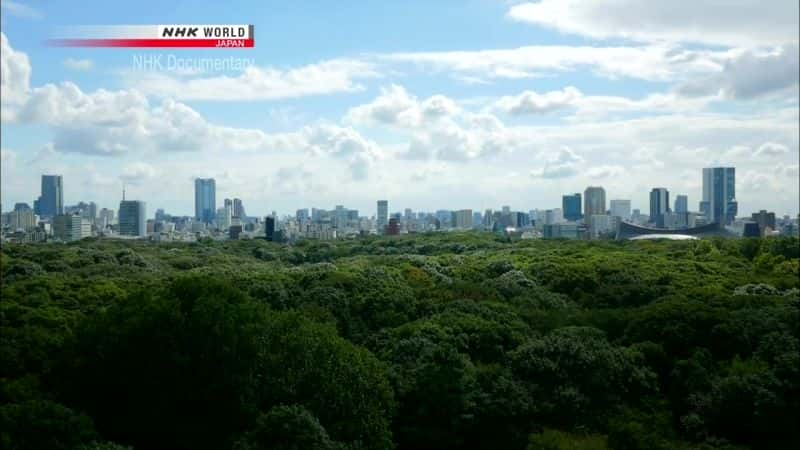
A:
[286, 428]
[451, 340]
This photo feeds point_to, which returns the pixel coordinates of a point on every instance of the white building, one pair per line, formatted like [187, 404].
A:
[68, 227]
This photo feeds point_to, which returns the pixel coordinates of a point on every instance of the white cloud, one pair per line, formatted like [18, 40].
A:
[600, 172]
[15, 73]
[258, 83]
[138, 173]
[78, 64]
[750, 74]
[735, 23]
[18, 9]
[595, 106]
[653, 62]
[530, 102]
[564, 163]
[395, 107]
[769, 149]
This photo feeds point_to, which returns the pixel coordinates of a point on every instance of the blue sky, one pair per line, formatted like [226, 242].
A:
[447, 104]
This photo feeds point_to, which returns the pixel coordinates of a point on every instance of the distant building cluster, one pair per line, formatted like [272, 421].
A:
[586, 215]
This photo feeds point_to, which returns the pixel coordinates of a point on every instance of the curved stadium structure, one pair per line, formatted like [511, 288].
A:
[627, 230]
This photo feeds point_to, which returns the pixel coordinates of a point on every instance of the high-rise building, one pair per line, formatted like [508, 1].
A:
[302, 216]
[602, 224]
[105, 218]
[269, 228]
[463, 219]
[719, 195]
[71, 227]
[620, 208]
[393, 227]
[205, 199]
[20, 219]
[681, 204]
[594, 198]
[238, 208]
[383, 215]
[553, 216]
[223, 216]
[571, 205]
[51, 200]
[659, 205]
[132, 218]
[765, 221]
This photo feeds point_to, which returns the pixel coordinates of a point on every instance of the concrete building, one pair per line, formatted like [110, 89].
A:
[564, 231]
[70, 227]
[463, 219]
[224, 216]
[19, 219]
[594, 198]
[602, 224]
[765, 221]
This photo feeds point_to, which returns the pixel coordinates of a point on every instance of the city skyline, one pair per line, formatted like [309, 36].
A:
[206, 211]
[548, 100]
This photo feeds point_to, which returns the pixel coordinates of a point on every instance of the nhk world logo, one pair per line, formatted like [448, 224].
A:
[158, 36]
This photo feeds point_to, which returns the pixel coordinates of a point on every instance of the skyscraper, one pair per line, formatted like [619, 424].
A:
[205, 199]
[238, 208]
[51, 201]
[463, 219]
[571, 205]
[269, 228]
[132, 218]
[383, 215]
[659, 205]
[719, 195]
[594, 202]
[621, 209]
[681, 204]
[302, 216]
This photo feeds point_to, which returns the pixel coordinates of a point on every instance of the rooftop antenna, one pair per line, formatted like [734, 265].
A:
[123, 192]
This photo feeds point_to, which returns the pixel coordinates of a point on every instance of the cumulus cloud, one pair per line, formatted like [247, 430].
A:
[564, 163]
[769, 149]
[138, 173]
[258, 83]
[750, 73]
[594, 106]
[78, 64]
[530, 102]
[739, 23]
[15, 74]
[395, 107]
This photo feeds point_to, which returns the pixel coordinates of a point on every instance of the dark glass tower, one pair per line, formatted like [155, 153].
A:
[51, 202]
[571, 205]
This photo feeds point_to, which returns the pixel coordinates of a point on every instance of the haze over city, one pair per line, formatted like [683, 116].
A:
[480, 104]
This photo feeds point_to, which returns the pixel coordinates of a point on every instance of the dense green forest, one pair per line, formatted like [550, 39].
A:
[421, 342]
